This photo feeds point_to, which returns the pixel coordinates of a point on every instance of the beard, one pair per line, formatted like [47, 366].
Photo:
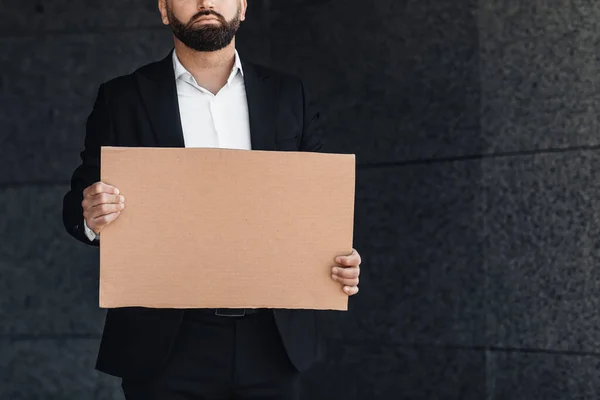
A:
[208, 37]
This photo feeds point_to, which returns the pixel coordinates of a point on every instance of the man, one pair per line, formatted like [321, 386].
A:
[201, 95]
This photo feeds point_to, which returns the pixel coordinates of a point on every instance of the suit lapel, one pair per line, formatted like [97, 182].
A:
[262, 97]
[159, 96]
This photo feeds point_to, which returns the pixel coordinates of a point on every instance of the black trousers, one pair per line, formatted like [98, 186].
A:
[223, 358]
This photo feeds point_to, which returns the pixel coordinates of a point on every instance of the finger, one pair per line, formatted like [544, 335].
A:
[351, 290]
[105, 209]
[100, 187]
[350, 272]
[105, 198]
[349, 261]
[101, 222]
[346, 282]
[99, 199]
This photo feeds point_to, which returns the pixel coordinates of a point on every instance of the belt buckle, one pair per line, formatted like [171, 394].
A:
[230, 312]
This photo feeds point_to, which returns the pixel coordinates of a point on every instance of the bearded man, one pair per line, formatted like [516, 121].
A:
[202, 94]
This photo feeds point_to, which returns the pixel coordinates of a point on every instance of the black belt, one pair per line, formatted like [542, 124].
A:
[225, 312]
[235, 312]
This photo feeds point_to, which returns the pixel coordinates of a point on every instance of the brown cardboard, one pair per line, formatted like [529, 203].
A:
[216, 228]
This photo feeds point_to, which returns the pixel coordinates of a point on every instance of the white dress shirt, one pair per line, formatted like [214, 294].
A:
[209, 120]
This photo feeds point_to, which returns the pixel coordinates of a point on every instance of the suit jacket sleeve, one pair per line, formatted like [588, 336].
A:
[99, 133]
[312, 133]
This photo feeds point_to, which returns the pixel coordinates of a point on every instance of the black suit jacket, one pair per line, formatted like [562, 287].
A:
[141, 109]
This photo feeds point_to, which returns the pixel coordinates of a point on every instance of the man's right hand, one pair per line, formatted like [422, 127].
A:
[102, 204]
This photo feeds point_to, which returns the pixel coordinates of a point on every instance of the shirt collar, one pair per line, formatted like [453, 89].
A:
[181, 70]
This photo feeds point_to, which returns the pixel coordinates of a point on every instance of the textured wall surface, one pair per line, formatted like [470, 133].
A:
[475, 129]
[396, 79]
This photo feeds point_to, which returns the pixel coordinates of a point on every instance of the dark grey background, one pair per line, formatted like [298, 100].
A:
[475, 125]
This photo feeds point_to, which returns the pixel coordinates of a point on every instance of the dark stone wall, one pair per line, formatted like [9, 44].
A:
[475, 129]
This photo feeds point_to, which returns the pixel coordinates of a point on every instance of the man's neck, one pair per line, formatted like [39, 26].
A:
[210, 69]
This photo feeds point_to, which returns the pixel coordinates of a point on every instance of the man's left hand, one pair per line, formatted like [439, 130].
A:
[347, 272]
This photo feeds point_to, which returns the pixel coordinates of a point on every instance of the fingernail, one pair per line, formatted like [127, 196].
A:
[346, 289]
[117, 191]
[335, 278]
[338, 260]
[335, 270]
[122, 199]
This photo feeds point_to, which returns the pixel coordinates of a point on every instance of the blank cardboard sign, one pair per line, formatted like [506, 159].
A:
[217, 228]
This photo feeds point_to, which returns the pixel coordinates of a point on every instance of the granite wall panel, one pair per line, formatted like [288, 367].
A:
[538, 376]
[373, 371]
[394, 79]
[49, 282]
[53, 369]
[539, 74]
[541, 251]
